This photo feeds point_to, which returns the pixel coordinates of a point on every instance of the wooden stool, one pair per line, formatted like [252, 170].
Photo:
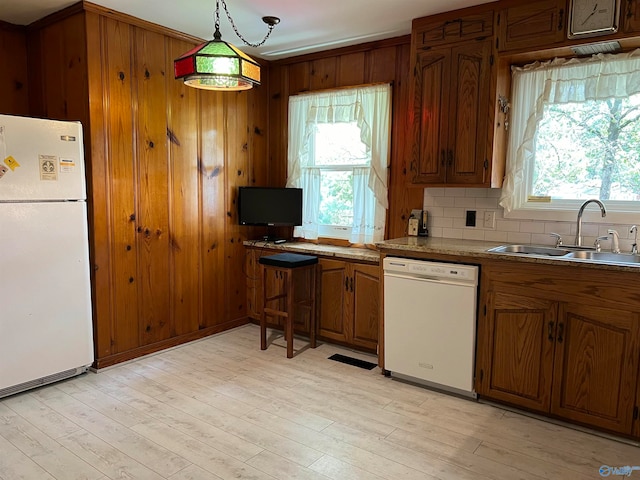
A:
[290, 265]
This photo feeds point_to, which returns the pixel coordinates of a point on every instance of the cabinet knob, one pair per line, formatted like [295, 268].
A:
[550, 331]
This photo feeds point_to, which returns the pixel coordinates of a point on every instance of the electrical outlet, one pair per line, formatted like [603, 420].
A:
[471, 218]
[489, 219]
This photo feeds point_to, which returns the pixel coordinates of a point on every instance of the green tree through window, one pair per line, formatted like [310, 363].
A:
[589, 149]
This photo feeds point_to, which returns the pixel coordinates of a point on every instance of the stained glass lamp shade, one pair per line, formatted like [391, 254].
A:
[217, 65]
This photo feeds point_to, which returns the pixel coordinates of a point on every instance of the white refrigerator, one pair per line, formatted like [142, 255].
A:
[45, 293]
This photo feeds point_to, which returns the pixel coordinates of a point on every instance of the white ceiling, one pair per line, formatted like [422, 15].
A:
[305, 26]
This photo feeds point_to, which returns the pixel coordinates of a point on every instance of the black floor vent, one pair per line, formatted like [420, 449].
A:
[352, 361]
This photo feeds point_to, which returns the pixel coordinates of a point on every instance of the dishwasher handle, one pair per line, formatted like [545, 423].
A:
[430, 278]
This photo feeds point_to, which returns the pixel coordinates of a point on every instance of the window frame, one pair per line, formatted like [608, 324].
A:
[561, 209]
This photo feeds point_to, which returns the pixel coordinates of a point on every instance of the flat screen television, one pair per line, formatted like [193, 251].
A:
[269, 206]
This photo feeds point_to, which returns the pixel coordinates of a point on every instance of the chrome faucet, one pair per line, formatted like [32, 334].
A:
[579, 227]
[615, 244]
[634, 247]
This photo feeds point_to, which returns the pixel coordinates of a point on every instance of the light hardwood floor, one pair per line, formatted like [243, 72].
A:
[221, 408]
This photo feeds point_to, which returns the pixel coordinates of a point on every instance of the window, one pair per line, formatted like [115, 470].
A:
[338, 154]
[575, 135]
[336, 148]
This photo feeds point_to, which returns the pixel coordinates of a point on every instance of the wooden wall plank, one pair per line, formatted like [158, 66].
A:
[52, 60]
[185, 196]
[278, 103]
[212, 173]
[97, 191]
[350, 69]
[13, 63]
[120, 165]
[75, 69]
[153, 186]
[237, 174]
[323, 73]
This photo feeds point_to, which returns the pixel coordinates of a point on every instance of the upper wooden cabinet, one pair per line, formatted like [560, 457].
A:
[630, 16]
[532, 25]
[451, 111]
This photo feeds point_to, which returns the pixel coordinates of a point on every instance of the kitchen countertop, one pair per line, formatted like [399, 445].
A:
[406, 246]
[347, 253]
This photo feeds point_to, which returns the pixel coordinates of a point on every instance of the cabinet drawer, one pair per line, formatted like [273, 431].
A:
[427, 33]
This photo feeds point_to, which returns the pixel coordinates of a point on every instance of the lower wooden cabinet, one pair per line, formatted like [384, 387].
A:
[519, 365]
[596, 366]
[348, 300]
[349, 303]
[574, 360]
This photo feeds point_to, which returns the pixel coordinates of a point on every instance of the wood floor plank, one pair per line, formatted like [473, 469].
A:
[15, 465]
[281, 468]
[245, 430]
[107, 459]
[42, 449]
[194, 472]
[124, 439]
[37, 413]
[338, 470]
[199, 453]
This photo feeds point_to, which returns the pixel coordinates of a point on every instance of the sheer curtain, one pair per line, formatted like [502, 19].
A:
[558, 81]
[370, 108]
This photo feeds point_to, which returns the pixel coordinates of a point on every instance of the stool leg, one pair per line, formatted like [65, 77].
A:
[290, 289]
[263, 316]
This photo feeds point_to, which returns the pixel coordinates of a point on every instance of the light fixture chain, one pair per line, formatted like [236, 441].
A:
[235, 29]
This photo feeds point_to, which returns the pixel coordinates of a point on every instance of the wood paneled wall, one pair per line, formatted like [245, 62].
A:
[164, 163]
[376, 62]
[14, 98]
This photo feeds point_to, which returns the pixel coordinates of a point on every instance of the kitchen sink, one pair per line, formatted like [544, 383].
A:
[567, 253]
[531, 250]
[607, 257]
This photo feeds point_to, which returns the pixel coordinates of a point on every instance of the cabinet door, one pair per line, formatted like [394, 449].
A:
[254, 284]
[532, 25]
[365, 282]
[630, 16]
[334, 286]
[467, 153]
[519, 362]
[596, 366]
[430, 108]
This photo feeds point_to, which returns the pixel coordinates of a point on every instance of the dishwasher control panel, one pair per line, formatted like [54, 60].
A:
[425, 268]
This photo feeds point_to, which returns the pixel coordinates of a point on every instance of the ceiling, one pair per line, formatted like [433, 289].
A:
[305, 27]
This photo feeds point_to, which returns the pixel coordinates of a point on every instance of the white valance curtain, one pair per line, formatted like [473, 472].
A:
[557, 81]
[370, 108]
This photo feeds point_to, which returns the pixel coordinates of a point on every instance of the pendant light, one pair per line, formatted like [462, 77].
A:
[218, 65]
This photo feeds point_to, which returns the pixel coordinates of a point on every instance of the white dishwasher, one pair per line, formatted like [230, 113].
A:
[430, 323]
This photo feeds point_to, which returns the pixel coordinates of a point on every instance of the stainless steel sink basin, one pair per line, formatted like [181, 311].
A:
[606, 257]
[531, 250]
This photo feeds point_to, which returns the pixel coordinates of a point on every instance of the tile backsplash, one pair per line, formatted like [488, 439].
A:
[447, 208]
